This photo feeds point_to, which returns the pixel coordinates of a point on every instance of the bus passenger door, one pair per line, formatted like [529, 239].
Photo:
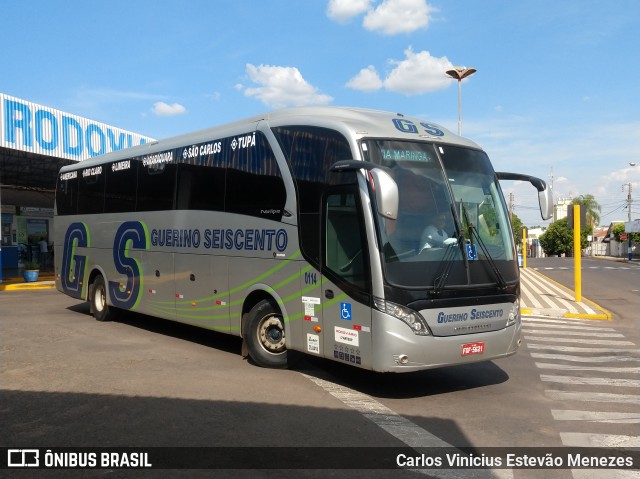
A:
[201, 291]
[346, 311]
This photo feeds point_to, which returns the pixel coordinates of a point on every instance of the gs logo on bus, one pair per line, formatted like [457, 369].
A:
[130, 234]
[407, 126]
[73, 264]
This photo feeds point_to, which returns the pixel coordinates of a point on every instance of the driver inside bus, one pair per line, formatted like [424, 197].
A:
[438, 234]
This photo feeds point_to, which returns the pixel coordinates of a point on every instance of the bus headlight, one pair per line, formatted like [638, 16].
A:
[411, 318]
[514, 314]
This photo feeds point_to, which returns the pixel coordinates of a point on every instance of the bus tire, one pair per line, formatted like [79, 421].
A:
[98, 298]
[264, 336]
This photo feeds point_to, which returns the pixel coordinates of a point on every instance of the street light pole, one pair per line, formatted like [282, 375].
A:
[459, 73]
[629, 242]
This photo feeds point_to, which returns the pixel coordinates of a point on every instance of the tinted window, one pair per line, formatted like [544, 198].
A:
[201, 177]
[67, 193]
[344, 240]
[156, 182]
[310, 152]
[254, 183]
[91, 190]
[120, 190]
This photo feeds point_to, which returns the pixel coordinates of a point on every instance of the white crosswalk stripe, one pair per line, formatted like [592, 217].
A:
[627, 267]
[591, 374]
[596, 416]
[631, 383]
[601, 369]
[579, 341]
[557, 332]
[582, 359]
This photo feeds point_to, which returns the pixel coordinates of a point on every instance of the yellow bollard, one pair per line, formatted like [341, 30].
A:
[524, 248]
[577, 254]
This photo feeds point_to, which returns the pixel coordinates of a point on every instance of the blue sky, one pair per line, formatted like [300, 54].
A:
[556, 94]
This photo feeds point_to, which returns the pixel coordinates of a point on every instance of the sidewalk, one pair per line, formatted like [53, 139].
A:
[543, 296]
[13, 280]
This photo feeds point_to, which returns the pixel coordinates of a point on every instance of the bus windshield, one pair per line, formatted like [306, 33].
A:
[452, 228]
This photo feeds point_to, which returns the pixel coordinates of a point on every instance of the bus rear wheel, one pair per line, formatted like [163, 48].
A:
[98, 298]
[265, 336]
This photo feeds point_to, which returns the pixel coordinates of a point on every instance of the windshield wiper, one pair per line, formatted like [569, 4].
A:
[473, 232]
[444, 268]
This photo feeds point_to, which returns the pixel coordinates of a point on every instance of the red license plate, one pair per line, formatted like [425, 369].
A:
[472, 348]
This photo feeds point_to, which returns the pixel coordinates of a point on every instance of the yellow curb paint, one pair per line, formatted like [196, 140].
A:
[602, 317]
[27, 286]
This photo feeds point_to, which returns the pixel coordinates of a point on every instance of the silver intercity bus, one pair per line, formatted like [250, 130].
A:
[362, 236]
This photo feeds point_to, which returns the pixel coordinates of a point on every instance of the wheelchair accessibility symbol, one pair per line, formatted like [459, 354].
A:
[345, 311]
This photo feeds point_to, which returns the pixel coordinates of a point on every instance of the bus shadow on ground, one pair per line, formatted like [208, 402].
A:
[432, 382]
[194, 334]
[426, 383]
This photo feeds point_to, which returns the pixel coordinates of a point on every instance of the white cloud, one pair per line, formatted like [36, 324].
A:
[367, 80]
[390, 17]
[282, 87]
[343, 10]
[418, 73]
[161, 108]
[399, 16]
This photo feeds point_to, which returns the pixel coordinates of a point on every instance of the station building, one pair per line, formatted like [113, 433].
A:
[35, 142]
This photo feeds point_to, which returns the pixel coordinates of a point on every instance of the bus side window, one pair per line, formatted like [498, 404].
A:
[200, 188]
[255, 184]
[67, 196]
[91, 194]
[120, 188]
[156, 187]
[344, 241]
[310, 152]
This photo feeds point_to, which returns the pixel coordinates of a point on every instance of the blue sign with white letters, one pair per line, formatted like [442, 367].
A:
[472, 254]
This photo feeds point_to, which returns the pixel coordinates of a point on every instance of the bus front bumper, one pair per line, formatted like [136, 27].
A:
[397, 349]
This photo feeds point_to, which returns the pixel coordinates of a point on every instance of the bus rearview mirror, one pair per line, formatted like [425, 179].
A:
[545, 195]
[545, 199]
[386, 191]
[384, 186]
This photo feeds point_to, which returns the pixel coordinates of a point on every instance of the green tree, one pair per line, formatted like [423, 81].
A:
[592, 207]
[516, 228]
[558, 239]
[617, 231]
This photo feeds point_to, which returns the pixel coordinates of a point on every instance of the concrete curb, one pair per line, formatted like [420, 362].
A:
[555, 313]
[28, 286]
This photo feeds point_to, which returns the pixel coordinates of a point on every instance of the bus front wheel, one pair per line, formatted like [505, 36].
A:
[99, 306]
[264, 336]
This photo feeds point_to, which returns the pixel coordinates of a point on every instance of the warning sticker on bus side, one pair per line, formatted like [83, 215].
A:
[472, 348]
